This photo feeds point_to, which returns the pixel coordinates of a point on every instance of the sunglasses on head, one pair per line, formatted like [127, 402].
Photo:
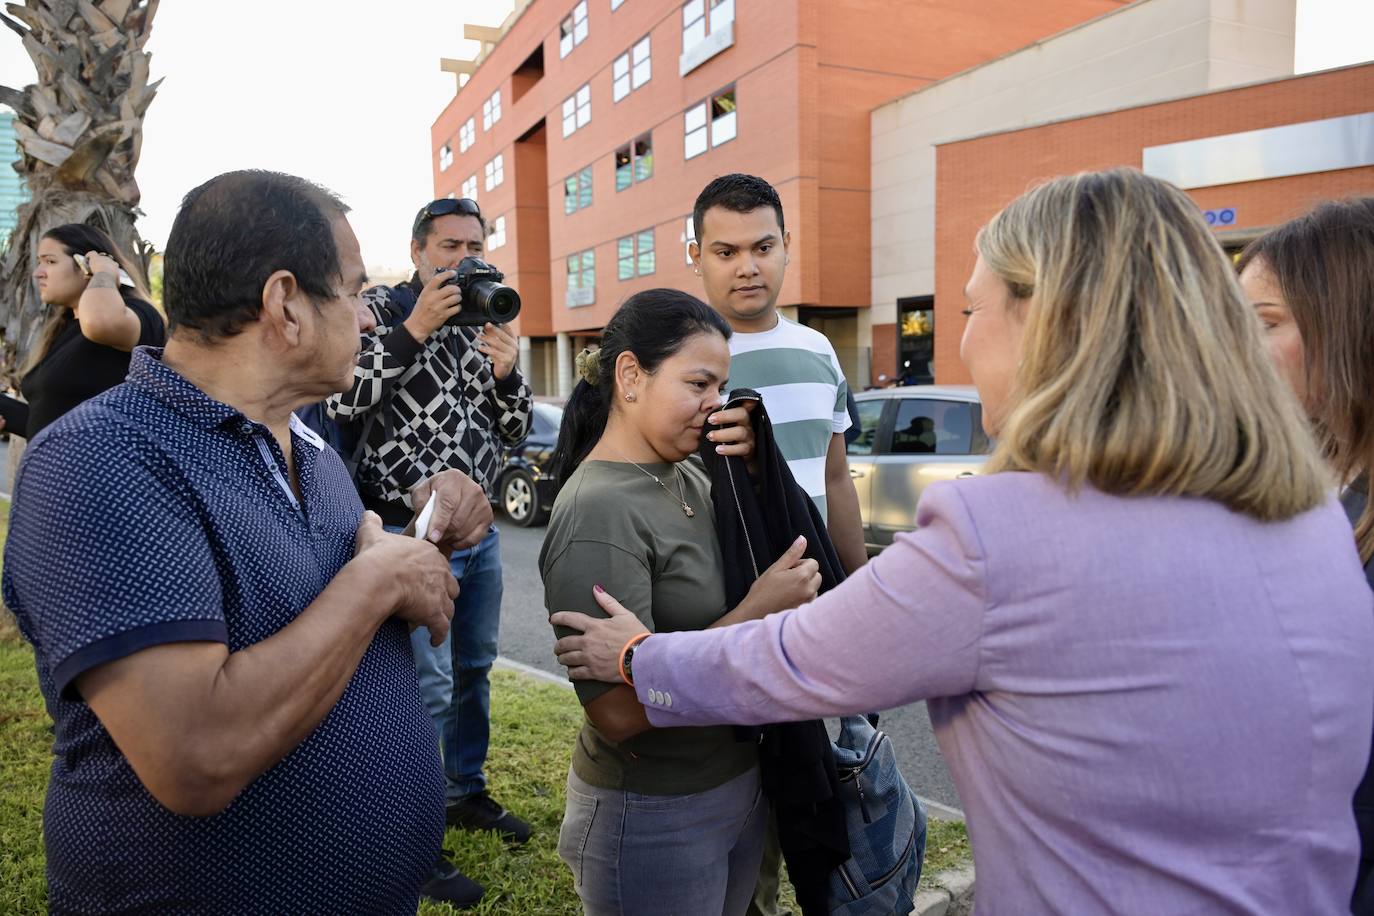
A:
[446, 206]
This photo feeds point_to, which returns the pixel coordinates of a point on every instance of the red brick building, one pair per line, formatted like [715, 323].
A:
[587, 127]
[1301, 140]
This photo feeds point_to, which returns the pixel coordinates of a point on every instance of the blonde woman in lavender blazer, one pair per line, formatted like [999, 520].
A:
[1144, 635]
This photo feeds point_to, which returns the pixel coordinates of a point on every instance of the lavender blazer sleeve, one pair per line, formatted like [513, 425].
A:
[836, 655]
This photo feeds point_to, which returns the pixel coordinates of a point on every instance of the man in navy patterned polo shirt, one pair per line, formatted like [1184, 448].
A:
[221, 634]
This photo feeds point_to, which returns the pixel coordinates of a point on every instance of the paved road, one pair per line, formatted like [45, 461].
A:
[526, 638]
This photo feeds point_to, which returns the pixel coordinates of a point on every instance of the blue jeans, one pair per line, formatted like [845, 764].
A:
[461, 708]
[688, 855]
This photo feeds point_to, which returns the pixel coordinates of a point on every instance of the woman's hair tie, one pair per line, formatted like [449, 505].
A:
[589, 365]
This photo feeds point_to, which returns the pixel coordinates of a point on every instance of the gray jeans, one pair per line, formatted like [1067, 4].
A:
[668, 855]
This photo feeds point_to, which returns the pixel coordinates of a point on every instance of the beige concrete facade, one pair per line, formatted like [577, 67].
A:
[1150, 51]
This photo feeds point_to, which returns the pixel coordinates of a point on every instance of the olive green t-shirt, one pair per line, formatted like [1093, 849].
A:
[615, 527]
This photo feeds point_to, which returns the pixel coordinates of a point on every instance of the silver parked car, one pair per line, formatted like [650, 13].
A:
[908, 438]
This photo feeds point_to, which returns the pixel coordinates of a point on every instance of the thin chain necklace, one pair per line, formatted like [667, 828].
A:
[682, 493]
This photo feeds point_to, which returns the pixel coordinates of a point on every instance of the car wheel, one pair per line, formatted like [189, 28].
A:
[520, 499]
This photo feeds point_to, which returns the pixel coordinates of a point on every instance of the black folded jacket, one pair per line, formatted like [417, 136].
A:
[757, 520]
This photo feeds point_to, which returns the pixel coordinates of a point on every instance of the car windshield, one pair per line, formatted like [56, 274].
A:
[547, 418]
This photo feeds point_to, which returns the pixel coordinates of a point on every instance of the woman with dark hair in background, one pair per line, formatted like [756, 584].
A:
[1311, 282]
[678, 825]
[98, 316]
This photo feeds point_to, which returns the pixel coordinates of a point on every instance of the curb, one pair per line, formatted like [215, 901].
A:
[949, 893]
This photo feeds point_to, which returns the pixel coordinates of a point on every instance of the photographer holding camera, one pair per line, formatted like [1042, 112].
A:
[437, 387]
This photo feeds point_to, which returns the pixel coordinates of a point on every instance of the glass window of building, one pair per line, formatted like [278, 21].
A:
[445, 157]
[689, 235]
[631, 69]
[615, 4]
[470, 187]
[697, 24]
[577, 110]
[581, 278]
[495, 171]
[700, 133]
[496, 237]
[573, 30]
[577, 191]
[634, 162]
[694, 140]
[635, 255]
[467, 135]
[491, 110]
[723, 117]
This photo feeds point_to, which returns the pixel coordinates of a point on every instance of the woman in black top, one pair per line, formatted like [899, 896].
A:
[98, 317]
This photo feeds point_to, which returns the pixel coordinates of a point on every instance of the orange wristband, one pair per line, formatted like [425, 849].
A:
[634, 641]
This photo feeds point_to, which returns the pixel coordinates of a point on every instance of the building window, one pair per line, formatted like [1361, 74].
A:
[573, 31]
[470, 188]
[635, 255]
[695, 19]
[496, 237]
[577, 191]
[699, 133]
[634, 162]
[495, 172]
[615, 4]
[631, 69]
[491, 110]
[689, 235]
[445, 157]
[577, 110]
[467, 135]
[581, 278]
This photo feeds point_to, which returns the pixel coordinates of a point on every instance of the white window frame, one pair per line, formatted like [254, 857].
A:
[495, 171]
[577, 110]
[704, 129]
[695, 130]
[491, 110]
[637, 251]
[582, 186]
[689, 235]
[469, 188]
[634, 159]
[467, 135]
[496, 236]
[615, 5]
[724, 126]
[573, 29]
[575, 278]
[445, 157]
[632, 69]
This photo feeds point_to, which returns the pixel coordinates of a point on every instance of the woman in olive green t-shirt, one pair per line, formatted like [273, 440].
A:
[657, 820]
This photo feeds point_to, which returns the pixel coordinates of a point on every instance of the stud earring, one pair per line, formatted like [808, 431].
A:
[630, 397]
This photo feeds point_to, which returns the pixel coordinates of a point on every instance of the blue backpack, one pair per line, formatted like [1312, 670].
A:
[886, 821]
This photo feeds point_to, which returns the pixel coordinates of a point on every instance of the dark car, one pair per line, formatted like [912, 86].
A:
[525, 489]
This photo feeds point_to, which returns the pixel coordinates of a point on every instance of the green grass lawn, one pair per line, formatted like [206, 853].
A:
[534, 725]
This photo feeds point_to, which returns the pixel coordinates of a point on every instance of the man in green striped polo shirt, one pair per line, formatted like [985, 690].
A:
[740, 253]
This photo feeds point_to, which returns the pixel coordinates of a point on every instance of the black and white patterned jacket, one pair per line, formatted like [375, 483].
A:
[433, 405]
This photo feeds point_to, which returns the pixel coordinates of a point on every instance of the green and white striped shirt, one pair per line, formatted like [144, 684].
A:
[795, 369]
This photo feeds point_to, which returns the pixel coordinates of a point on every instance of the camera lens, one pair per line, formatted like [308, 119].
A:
[503, 304]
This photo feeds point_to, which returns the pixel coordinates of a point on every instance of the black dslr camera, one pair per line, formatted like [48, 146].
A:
[485, 298]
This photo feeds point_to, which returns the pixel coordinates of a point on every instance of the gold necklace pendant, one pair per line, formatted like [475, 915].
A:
[681, 496]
